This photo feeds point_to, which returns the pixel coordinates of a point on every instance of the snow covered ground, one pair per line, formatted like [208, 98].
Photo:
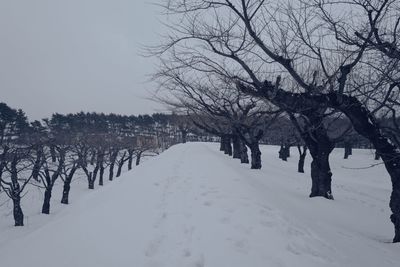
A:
[193, 206]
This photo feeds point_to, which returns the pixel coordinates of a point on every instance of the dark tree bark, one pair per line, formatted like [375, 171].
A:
[101, 175]
[184, 135]
[236, 147]
[138, 157]
[121, 164]
[113, 158]
[49, 180]
[244, 157]
[255, 155]
[348, 151]
[16, 194]
[284, 152]
[377, 156]
[47, 198]
[130, 158]
[67, 185]
[228, 145]
[302, 157]
[38, 163]
[17, 211]
[316, 138]
[280, 152]
[89, 176]
[320, 147]
[221, 144]
[90, 180]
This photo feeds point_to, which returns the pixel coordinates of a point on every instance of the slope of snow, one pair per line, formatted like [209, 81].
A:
[193, 206]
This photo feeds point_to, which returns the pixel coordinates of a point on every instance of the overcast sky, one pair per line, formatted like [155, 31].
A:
[72, 55]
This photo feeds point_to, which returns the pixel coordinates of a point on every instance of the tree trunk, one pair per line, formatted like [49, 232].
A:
[221, 144]
[138, 157]
[377, 156]
[46, 201]
[244, 157]
[67, 186]
[113, 158]
[320, 146]
[17, 211]
[321, 175]
[236, 147]
[90, 181]
[130, 160]
[347, 150]
[101, 175]
[37, 164]
[16, 194]
[255, 155]
[119, 170]
[91, 184]
[184, 136]
[111, 172]
[228, 146]
[284, 152]
[280, 152]
[302, 157]
[65, 193]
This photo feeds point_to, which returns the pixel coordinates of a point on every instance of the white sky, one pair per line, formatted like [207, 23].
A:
[72, 55]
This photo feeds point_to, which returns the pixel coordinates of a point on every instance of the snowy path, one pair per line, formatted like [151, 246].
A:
[193, 206]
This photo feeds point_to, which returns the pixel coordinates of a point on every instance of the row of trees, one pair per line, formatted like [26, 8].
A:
[89, 145]
[330, 67]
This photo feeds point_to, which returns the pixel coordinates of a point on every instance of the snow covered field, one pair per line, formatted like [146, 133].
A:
[194, 206]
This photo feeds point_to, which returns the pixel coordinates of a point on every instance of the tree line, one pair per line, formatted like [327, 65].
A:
[60, 149]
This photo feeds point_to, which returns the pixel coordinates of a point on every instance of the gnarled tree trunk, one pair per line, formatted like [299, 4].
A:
[320, 147]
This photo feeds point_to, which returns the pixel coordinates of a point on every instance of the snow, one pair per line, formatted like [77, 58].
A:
[194, 206]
